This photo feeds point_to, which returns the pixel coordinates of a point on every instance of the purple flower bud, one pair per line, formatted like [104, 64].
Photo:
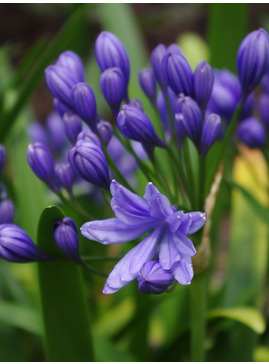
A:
[7, 211]
[211, 132]
[56, 132]
[264, 109]
[180, 129]
[105, 129]
[66, 237]
[65, 176]
[114, 87]
[3, 191]
[60, 83]
[60, 107]
[73, 64]
[136, 103]
[72, 126]
[192, 118]
[41, 162]
[153, 279]
[252, 133]
[163, 112]
[147, 82]
[265, 83]
[178, 73]
[174, 48]
[88, 136]
[203, 83]
[16, 246]
[84, 103]
[2, 157]
[156, 59]
[110, 52]
[134, 124]
[253, 59]
[37, 133]
[89, 160]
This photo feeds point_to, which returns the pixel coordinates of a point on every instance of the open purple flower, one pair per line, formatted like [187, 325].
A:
[136, 216]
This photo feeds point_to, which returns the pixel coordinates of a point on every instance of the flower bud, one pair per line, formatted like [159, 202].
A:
[192, 118]
[3, 191]
[211, 132]
[2, 157]
[110, 52]
[83, 101]
[264, 109]
[105, 130]
[252, 133]
[7, 211]
[57, 138]
[60, 107]
[180, 129]
[136, 103]
[177, 73]
[65, 176]
[114, 87]
[147, 82]
[16, 246]
[163, 112]
[72, 63]
[203, 83]
[89, 160]
[134, 124]
[253, 59]
[41, 162]
[88, 136]
[265, 83]
[37, 133]
[66, 237]
[60, 83]
[72, 126]
[156, 59]
[174, 48]
[153, 279]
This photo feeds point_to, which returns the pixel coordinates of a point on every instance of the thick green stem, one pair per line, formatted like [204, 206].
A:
[198, 317]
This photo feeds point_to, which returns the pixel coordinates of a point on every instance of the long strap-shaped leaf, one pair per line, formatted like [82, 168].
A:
[64, 306]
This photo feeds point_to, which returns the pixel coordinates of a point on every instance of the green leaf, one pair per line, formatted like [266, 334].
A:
[64, 37]
[23, 317]
[227, 28]
[261, 354]
[261, 210]
[246, 315]
[64, 306]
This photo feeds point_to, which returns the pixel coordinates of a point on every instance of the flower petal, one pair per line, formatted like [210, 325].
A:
[198, 219]
[128, 267]
[168, 253]
[159, 204]
[183, 244]
[183, 271]
[113, 231]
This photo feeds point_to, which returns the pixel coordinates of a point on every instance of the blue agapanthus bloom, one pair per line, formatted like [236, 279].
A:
[135, 216]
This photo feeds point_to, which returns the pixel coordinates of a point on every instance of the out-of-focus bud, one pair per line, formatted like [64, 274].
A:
[253, 59]
[153, 279]
[177, 73]
[265, 83]
[7, 212]
[180, 129]
[105, 130]
[60, 107]
[110, 52]
[57, 138]
[73, 64]
[174, 48]
[72, 126]
[156, 59]
[2, 157]
[203, 83]
[83, 101]
[136, 103]
[89, 160]
[60, 83]
[134, 124]
[147, 82]
[66, 237]
[264, 109]
[88, 136]
[16, 246]
[210, 133]
[114, 87]
[252, 133]
[192, 118]
[41, 162]
[65, 176]
[163, 112]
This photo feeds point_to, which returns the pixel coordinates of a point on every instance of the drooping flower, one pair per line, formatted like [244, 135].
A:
[135, 216]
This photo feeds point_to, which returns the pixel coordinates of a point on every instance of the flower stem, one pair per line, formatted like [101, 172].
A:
[198, 292]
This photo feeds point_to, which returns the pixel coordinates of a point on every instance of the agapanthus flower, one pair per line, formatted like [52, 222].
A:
[135, 216]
